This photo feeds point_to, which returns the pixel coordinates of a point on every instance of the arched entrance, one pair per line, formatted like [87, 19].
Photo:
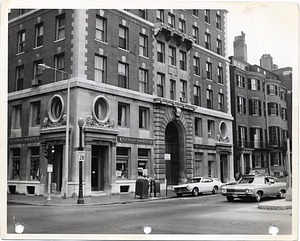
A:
[175, 146]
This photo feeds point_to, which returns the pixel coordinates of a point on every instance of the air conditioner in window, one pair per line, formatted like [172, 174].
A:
[36, 81]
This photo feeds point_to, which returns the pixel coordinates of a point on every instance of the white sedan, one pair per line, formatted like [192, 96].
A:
[197, 185]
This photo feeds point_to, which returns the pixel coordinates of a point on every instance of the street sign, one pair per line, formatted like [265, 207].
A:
[50, 168]
[81, 155]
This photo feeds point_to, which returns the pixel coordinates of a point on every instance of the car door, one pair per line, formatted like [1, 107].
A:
[205, 185]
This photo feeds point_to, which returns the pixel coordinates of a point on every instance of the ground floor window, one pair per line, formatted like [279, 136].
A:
[275, 159]
[211, 165]
[122, 163]
[198, 164]
[34, 164]
[16, 163]
[143, 162]
[256, 160]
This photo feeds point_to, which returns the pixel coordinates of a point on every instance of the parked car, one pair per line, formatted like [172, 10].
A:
[197, 185]
[253, 186]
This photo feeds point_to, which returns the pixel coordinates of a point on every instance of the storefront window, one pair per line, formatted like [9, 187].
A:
[211, 164]
[122, 163]
[16, 163]
[143, 160]
[35, 163]
[198, 164]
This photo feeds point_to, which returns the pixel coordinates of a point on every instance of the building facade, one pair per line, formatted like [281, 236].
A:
[260, 109]
[151, 85]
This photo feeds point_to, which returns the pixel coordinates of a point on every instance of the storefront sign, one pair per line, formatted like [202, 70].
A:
[132, 140]
[205, 147]
[22, 140]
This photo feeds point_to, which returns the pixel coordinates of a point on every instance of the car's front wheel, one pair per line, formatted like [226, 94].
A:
[215, 189]
[195, 192]
[229, 198]
[258, 196]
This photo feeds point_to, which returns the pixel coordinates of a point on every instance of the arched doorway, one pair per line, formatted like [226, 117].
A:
[175, 146]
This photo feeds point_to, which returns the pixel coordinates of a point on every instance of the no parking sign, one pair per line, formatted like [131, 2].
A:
[81, 155]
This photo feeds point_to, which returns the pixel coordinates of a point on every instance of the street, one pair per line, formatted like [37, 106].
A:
[205, 214]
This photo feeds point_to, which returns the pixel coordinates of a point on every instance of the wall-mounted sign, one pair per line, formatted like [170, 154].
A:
[133, 140]
[22, 140]
[205, 147]
[81, 156]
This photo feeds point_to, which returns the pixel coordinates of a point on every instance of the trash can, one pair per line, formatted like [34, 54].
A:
[141, 188]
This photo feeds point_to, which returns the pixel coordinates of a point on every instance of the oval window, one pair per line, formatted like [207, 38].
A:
[55, 108]
[100, 109]
[223, 129]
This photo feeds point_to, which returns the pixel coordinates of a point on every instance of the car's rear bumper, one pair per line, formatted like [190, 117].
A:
[238, 195]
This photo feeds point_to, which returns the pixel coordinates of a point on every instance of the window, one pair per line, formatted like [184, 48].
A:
[143, 81]
[283, 114]
[242, 138]
[144, 118]
[183, 89]
[160, 15]
[160, 52]
[241, 102]
[198, 126]
[101, 32]
[218, 21]
[182, 25]
[207, 41]
[221, 102]
[284, 134]
[207, 16]
[275, 158]
[240, 81]
[196, 12]
[143, 160]
[198, 162]
[123, 75]
[220, 75]
[209, 100]
[160, 84]
[100, 69]
[100, 109]
[171, 20]
[273, 108]
[16, 156]
[196, 34]
[274, 132]
[208, 70]
[210, 128]
[255, 107]
[60, 65]
[219, 46]
[272, 89]
[122, 163]
[123, 37]
[143, 45]
[256, 160]
[197, 97]
[211, 165]
[60, 27]
[34, 163]
[172, 89]
[172, 56]
[19, 77]
[55, 110]
[253, 84]
[35, 109]
[21, 41]
[39, 33]
[17, 117]
[37, 72]
[123, 114]
[256, 137]
[283, 95]
[143, 13]
[196, 65]
[182, 56]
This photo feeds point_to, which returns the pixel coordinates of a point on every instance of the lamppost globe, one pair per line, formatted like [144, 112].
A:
[80, 122]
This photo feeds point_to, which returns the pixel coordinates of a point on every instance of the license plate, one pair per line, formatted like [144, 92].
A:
[235, 195]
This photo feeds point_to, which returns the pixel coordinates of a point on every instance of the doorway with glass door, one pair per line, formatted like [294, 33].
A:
[99, 158]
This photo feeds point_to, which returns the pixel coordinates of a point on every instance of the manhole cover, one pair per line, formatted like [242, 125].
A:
[131, 228]
[243, 223]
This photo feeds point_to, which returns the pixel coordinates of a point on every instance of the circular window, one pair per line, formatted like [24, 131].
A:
[55, 108]
[100, 109]
[223, 129]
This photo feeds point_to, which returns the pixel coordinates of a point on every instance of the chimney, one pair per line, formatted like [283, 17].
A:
[240, 47]
[266, 62]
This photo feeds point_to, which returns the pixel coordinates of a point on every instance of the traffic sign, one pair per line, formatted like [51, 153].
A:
[81, 155]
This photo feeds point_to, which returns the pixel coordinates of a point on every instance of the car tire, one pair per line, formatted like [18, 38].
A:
[280, 195]
[179, 194]
[195, 192]
[229, 198]
[258, 196]
[215, 190]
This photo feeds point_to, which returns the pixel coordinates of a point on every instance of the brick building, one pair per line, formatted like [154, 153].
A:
[151, 85]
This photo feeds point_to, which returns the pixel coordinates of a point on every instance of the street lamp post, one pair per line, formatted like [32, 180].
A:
[80, 148]
[43, 67]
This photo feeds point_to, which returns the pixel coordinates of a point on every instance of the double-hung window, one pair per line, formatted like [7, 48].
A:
[172, 89]
[183, 90]
[196, 65]
[123, 75]
[123, 37]
[273, 108]
[143, 81]
[197, 97]
[240, 81]
[160, 52]
[208, 67]
[198, 126]
[181, 25]
[182, 56]
[196, 12]
[17, 117]
[172, 56]
[123, 114]
[100, 68]
[143, 45]
[101, 32]
[255, 107]
[160, 15]
[19, 77]
[209, 99]
[220, 75]
[60, 65]
[283, 114]
[219, 46]
[195, 33]
[218, 21]
[35, 109]
[241, 102]
[207, 41]
[160, 84]
[221, 102]
[171, 20]
[254, 84]
[256, 136]
[144, 117]
[60, 27]
[242, 136]
[143, 13]
[21, 41]
[37, 72]
[207, 16]
[39, 33]
[210, 128]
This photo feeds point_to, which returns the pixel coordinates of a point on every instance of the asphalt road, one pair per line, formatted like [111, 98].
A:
[206, 214]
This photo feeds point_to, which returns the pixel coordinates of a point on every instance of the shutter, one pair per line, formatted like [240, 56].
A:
[259, 107]
[250, 107]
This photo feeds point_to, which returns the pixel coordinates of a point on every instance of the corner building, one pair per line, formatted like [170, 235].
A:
[151, 85]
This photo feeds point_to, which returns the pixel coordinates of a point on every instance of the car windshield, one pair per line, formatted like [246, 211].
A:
[251, 180]
[193, 180]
